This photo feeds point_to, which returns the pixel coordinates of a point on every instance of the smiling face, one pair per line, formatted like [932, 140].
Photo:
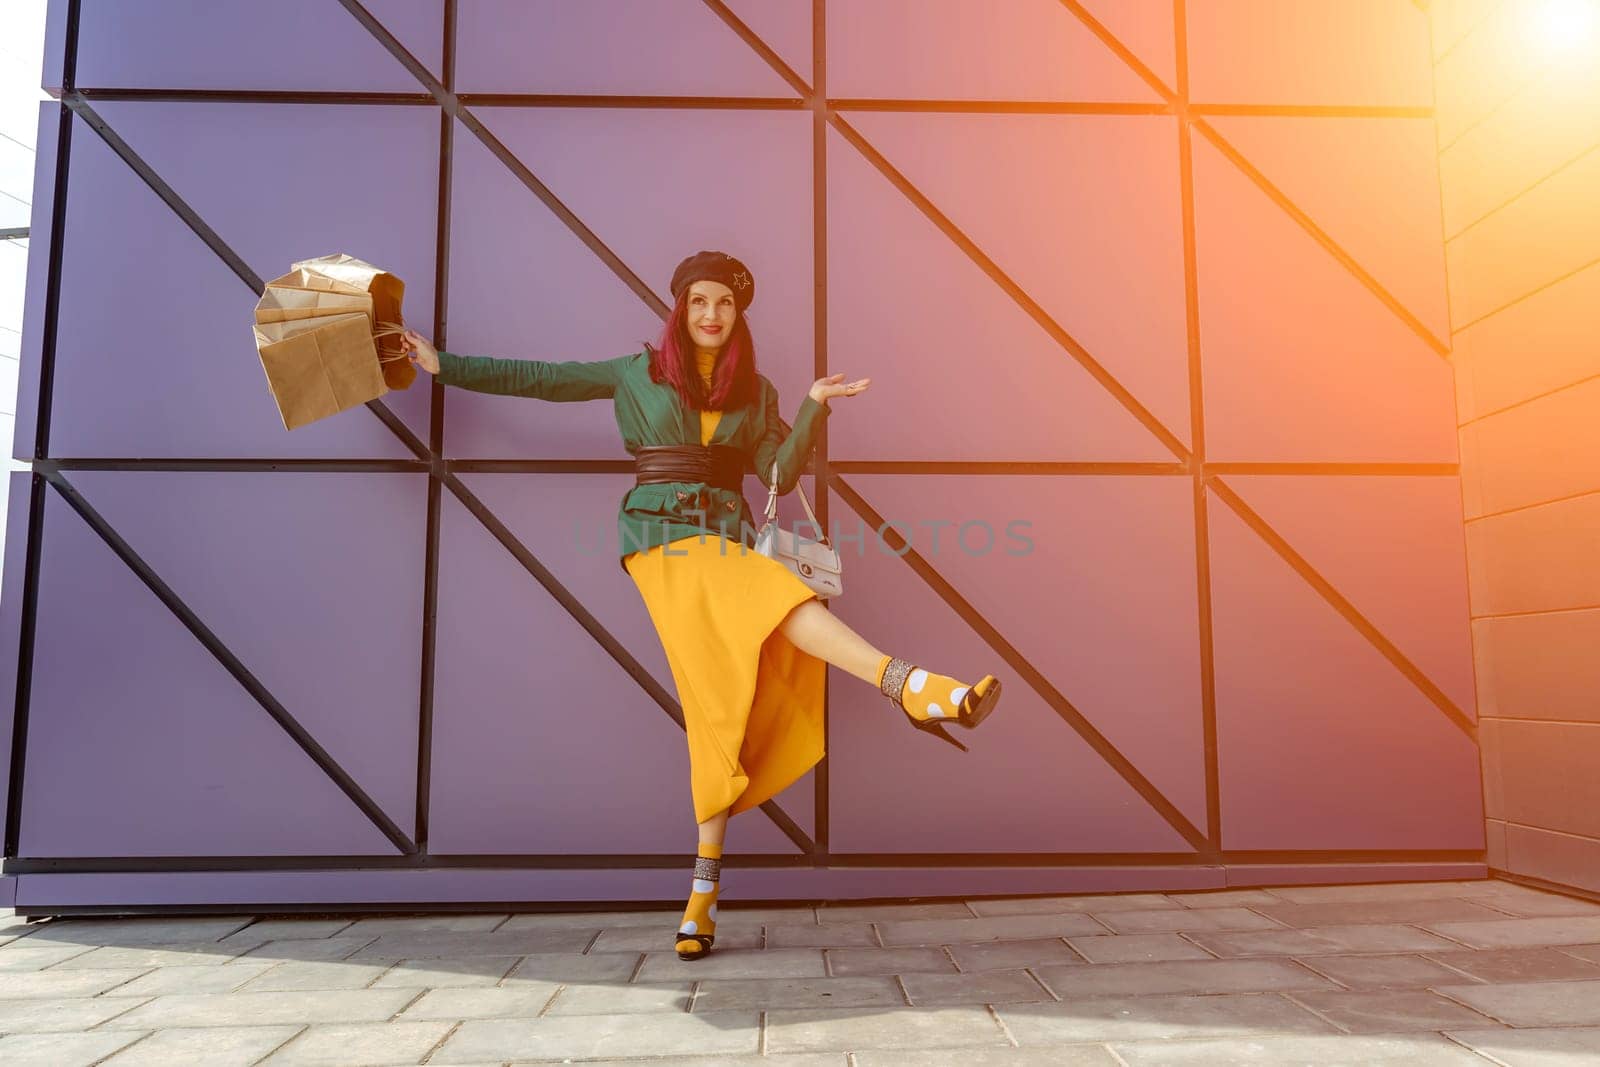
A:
[710, 314]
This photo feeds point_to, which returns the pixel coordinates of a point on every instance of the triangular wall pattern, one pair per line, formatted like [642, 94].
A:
[523, 286]
[532, 718]
[1029, 783]
[1371, 184]
[141, 744]
[1322, 743]
[314, 580]
[288, 44]
[1100, 596]
[418, 25]
[1079, 211]
[1301, 361]
[266, 177]
[1320, 52]
[901, 297]
[1393, 547]
[783, 26]
[954, 49]
[1145, 28]
[616, 47]
[569, 522]
[135, 378]
[766, 224]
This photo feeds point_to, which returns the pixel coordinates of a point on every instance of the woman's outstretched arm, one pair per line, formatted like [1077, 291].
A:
[792, 447]
[565, 381]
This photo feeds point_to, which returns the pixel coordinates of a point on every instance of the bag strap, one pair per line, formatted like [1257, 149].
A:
[772, 504]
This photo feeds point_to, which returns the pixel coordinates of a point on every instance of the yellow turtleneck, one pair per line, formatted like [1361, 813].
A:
[706, 363]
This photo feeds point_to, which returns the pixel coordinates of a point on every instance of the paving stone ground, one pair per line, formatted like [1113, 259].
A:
[1467, 972]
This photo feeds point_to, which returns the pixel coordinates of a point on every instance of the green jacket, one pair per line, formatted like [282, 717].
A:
[650, 413]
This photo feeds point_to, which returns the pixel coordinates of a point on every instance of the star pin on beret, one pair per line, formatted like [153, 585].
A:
[716, 267]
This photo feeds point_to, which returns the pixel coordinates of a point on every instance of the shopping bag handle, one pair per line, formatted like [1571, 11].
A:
[389, 329]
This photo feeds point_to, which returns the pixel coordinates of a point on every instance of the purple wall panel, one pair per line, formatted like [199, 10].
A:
[623, 47]
[783, 26]
[314, 581]
[289, 44]
[542, 743]
[971, 50]
[1080, 214]
[55, 46]
[19, 490]
[568, 521]
[280, 183]
[535, 723]
[1116, 629]
[885, 262]
[42, 230]
[799, 802]
[416, 24]
[133, 375]
[1322, 743]
[1352, 52]
[1145, 28]
[639, 180]
[1301, 362]
[522, 286]
[1393, 547]
[1371, 184]
[141, 744]
[1029, 783]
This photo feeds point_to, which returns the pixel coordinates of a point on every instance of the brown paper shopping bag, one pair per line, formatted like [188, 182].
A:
[285, 302]
[343, 275]
[328, 336]
[320, 366]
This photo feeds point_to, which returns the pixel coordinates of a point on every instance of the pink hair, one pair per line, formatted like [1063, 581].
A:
[673, 362]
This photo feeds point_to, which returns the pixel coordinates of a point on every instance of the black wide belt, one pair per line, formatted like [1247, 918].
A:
[718, 465]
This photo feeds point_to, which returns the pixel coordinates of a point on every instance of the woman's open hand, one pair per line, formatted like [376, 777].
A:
[420, 350]
[824, 389]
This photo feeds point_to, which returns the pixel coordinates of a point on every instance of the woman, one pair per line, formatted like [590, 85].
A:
[746, 639]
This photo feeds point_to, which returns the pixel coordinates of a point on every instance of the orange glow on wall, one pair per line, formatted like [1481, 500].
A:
[1566, 25]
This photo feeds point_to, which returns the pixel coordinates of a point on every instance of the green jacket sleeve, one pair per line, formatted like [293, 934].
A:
[791, 448]
[573, 380]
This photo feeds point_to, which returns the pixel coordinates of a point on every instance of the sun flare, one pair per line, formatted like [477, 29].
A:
[1567, 24]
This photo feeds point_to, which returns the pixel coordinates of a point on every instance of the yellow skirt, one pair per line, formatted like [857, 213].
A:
[752, 701]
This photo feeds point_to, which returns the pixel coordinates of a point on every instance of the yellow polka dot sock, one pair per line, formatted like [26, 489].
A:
[699, 925]
[922, 693]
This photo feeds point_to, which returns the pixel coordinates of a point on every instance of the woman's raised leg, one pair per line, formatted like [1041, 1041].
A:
[924, 696]
[817, 631]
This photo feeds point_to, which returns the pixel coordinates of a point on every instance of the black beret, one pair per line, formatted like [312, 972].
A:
[716, 267]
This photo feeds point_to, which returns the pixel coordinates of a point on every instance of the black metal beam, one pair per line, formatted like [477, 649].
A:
[673, 860]
[41, 445]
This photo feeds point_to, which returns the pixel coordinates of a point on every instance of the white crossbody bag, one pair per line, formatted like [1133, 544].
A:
[814, 562]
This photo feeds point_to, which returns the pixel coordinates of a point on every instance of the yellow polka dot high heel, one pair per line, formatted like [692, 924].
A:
[698, 929]
[930, 700]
